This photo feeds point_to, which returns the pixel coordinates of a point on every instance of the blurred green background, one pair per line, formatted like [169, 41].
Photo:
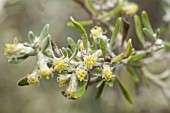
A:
[17, 17]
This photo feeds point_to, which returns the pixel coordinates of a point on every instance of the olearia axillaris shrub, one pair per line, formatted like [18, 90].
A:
[93, 59]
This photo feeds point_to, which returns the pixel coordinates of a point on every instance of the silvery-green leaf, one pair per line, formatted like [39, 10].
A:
[69, 52]
[17, 60]
[138, 27]
[125, 92]
[31, 36]
[103, 46]
[74, 54]
[146, 21]
[137, 56]
[82, 31]
[117, 58]
[72, 43]
[46, 43]
[100, 90]
[129, 48]
[83, 23]
[45, 31]
[99, 84]
[81, 89]
[149, 33]
[116, 31]
[64, 52]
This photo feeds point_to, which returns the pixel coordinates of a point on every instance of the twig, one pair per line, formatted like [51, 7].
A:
[85, 7]
[153, 78]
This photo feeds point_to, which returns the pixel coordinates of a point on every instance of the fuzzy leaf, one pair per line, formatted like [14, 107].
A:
[149, 33]
[81, 30]
[129, 48]
[45, 31]
[146, 21]
[23, 81]
[46, 43]
[74, 54]
[64, 52]
[117, 58]
[99, 84]
[125, 92]
[69, 52]
[116, 31]
[103, 46]
[81, 90]
[83, 23]
[17, 60]
[137, 57]
[138, 27]
[100, 90]
[72, 43]
[31, 36]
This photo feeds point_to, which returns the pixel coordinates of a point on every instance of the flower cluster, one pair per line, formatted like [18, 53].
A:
[84, 62]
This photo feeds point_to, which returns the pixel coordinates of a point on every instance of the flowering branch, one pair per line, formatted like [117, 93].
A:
[89, 62]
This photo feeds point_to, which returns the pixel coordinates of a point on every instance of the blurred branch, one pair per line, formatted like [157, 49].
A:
[85, 7]
[154, 78]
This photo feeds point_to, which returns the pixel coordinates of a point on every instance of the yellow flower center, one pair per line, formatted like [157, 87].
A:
[45, 73]
[9, 48]
[81, 74]
[32, 79]
[59, 65]
[89, 61]
[107, 74]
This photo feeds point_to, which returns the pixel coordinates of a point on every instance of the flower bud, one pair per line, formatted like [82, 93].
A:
[17, 50]
[63, 79]
[130, 8]
[96, 32]
[33, 77]
[72, 88]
